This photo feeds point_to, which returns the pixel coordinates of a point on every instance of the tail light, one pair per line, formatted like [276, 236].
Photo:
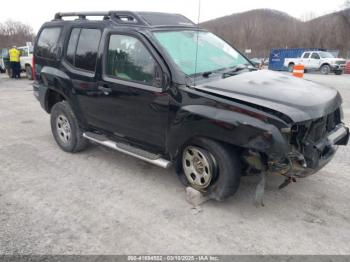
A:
[33, 68]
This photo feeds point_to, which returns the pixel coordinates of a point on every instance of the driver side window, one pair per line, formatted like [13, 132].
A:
[129, 59]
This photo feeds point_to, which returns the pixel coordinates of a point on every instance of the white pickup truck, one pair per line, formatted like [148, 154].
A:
[321, 61]
[26, 60]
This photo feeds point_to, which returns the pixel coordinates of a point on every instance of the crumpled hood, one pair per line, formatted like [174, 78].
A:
[333, 60]
[297, 98]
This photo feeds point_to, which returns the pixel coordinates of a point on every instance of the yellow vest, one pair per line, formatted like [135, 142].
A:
[14, 55]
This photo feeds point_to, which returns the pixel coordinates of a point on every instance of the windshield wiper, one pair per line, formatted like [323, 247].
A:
[233, 70]
[207, 74]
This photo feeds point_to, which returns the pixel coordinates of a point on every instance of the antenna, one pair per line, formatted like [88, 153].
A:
[195, 66]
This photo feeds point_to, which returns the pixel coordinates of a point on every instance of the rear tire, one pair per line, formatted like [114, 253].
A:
[65, 128]
[221, 163]
[290, 67]
[29, 72]
[325, 69]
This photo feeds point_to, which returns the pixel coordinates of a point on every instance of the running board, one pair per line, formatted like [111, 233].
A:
[128, 149]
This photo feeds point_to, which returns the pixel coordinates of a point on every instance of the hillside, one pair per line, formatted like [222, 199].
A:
[263, 29]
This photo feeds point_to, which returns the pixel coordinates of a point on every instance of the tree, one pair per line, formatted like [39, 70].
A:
[15, 33]
[346, 4]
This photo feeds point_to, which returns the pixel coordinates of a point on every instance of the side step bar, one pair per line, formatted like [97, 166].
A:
[129, 150]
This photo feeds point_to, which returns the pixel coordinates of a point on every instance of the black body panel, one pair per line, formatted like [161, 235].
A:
[252, 110]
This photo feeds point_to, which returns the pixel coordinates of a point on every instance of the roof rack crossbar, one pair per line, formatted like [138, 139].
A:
[80, 14]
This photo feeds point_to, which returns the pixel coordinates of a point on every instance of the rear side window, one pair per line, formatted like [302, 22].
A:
[72, 44]
[306, 55]
[47, 42]
[86, 52]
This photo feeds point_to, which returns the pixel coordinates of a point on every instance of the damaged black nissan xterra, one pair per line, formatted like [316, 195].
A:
[156, 87]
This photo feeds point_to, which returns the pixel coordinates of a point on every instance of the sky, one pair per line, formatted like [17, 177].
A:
[36, 12]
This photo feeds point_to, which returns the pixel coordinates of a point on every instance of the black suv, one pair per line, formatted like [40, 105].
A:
[157, 87]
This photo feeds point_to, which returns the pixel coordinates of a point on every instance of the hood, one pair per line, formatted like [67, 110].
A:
[333, 60]
[296, 98]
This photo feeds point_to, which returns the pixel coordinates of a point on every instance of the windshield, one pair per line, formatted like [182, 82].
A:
[213, 53]
[326, 55]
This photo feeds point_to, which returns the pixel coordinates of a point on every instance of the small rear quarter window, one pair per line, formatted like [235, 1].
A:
[47, 42]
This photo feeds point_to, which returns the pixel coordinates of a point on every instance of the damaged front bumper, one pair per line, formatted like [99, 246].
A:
[314, 156]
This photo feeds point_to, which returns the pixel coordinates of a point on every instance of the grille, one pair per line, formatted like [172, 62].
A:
[320, 127]
[340, 62]
[315, 130]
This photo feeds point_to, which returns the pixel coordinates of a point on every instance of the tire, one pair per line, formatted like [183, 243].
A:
[325, 69]
[339, 72]
[223, 166]
[290, 67]
[65, 128]
[9, 72]
[29, 72]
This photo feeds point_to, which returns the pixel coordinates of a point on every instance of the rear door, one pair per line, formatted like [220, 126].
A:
[315, 60]
[79, 63]
[305, 59]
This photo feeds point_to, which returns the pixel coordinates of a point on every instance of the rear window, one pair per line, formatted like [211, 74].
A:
[72, 44]
[47, 42]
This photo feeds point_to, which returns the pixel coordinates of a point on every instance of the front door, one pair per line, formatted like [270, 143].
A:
[131, 102]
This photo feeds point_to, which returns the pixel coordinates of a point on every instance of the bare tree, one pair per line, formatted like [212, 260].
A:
[15, 33]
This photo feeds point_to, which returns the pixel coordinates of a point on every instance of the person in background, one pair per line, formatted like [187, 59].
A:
[14, 54]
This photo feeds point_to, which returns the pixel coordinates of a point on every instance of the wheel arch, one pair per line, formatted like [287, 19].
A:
[52, 97]
[325, 63]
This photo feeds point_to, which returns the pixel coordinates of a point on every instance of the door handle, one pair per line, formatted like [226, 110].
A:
[105, 90]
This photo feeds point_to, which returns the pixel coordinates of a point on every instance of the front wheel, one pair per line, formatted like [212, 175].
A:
[29, 72]
[65, 128]
[325, 69]
[210, 167]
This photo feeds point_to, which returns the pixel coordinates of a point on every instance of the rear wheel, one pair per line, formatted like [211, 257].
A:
[210, 167]
[29, 72]
[9, 72]
[290, 67]
[325, 69]
[65, 128]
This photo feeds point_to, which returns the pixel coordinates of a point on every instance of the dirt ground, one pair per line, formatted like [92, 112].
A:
[104, 202]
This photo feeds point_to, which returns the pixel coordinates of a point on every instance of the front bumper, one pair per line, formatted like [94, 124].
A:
[315, 156]
[338, 67]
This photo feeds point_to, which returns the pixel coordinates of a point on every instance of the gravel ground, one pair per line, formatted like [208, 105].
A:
[104, 202]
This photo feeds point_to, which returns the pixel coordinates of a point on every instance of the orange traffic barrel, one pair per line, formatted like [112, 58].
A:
[298, 71]
[347, 68]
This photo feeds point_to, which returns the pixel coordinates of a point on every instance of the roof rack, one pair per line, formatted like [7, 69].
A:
[120, 17]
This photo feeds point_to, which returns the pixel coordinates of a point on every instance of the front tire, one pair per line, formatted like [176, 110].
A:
[29, 72]
[210, 167]
[65, 128]
[325, 69]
